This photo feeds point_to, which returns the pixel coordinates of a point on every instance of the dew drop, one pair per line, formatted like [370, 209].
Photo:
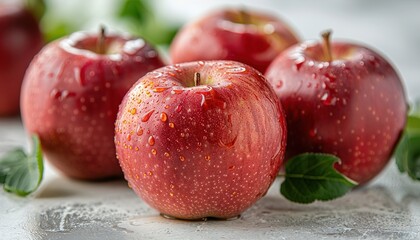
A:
[279, 84]
[328, 100]
[171, 125]
[150, 173]
[299, 62]
[182, 158]
[151, 141]
[207, 158]
[178, 108]
[154, 151]
[160, 89]
[177, 91]
[166, 154]
[139, 131]
[235, 70]
[331, 77]
[129, 137]
[163, 117]
[313, 132]
[231, 167]
[133, 111]
[147, 116]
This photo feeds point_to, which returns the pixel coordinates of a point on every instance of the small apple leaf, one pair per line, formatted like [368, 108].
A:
[19, 173]
[312, 176]
[407, 154]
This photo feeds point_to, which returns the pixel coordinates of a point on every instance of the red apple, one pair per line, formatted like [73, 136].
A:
[251, 37]
[20, 40]
[340, 98]
[71, 94]
[201, 139]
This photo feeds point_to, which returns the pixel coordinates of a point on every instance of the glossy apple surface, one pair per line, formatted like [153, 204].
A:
[207, 148]
[352, 105]
[20, 40]
[71, 94]
[251, 37]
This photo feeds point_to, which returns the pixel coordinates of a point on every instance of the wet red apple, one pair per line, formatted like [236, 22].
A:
[201, 139]
[251, 37]
[20, 40]
[341, 98]
[71, 94]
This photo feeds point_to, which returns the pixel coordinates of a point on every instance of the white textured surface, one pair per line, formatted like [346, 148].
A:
[388, 208]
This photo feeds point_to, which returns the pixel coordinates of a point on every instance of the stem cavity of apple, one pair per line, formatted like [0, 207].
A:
[197, 79]
[244, 16]
[101, 40]
[327, 45]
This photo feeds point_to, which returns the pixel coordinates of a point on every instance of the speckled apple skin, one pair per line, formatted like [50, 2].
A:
[353, 107]
[216, 36]
[206, 151]
[70, 99]
[20, 40]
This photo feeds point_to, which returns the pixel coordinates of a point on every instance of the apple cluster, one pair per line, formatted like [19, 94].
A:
[206, 135]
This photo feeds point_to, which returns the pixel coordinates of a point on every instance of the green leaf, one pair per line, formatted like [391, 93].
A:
[407, 154]
[37, 7]
[22, 174]
[140, 18]
[312, 176]
[138, 11]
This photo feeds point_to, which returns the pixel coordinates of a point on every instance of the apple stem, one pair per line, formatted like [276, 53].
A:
[197, 79]
[327, 45]
[101, 40]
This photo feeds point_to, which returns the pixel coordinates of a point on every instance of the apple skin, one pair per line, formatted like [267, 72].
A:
[70, 99]
[20, 40]
[353, 107]
[250, 37]
[210, 150]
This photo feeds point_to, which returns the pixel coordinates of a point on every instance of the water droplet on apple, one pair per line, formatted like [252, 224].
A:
[133, 46]
[299, 62]
[207, 158]
[235, 69]
[228, 144]
[133, 111]
[154, 152]
[177, 91]
[182, 158]
[178, 108]
[151, 141]
[139, 131]
[328, 100]
[160, 89]
[166, 154]
[55, 93]
[147, 116]
[171, 125]
[330, 76]
[231, 167]
[279, 84]
[129, 137]
[313, 132]
[163, 117]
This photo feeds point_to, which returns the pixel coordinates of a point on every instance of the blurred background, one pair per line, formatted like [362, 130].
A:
[391, 27]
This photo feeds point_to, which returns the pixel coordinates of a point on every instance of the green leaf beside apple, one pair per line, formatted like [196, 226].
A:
[20, 173]
[311, 176]
[407, 154]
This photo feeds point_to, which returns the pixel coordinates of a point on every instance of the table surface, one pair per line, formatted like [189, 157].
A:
[387, 208]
